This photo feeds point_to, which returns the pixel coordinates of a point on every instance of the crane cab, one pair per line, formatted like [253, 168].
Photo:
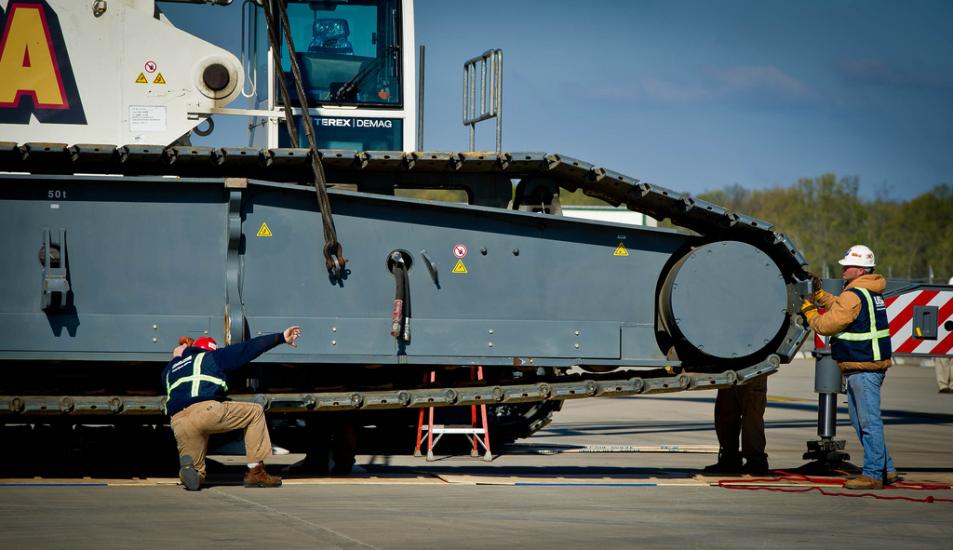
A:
[357, 66]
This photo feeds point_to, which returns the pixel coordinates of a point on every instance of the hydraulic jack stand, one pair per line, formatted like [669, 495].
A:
[827, 454]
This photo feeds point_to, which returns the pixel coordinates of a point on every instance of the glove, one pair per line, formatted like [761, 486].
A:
[819, 293]
[186, 341]
[808, 309]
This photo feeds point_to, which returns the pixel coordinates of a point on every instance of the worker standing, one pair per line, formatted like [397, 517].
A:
[739, 411]
[944, 369]
[944, 374]
[196, 382]
[856, 321]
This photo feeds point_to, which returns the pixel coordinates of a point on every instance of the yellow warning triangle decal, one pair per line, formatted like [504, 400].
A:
[159, 79]
[460, 268]
[620, 250]
[142, 79]
[264, 230]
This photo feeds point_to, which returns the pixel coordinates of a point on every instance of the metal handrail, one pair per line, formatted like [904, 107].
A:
[483, 93]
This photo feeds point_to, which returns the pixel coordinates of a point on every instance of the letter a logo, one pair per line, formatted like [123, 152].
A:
[36, 77]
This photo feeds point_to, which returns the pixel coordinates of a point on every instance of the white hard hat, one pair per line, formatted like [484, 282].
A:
[858, 256]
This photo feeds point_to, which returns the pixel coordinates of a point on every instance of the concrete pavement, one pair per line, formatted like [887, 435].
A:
[547, 491]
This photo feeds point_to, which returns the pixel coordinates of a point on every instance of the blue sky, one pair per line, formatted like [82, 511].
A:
[697, 95]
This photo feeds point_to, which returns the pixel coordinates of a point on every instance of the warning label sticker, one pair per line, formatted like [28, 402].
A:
[150, 67]
[264, 230]
[460, 267]
[158, 79]
[620, 250]
[141, 79]
[460, 250]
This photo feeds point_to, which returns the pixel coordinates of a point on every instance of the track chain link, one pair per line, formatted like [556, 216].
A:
[617, 384]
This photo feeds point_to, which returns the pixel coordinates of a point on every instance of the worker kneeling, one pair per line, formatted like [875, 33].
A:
[196, 383]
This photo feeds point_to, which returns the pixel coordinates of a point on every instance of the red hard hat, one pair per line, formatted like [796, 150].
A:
[206, 343]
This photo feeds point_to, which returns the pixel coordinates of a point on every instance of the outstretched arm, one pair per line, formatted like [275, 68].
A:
[238, 355]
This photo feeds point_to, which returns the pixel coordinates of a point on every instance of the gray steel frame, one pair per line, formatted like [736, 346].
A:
[150, 259]
[486, 177]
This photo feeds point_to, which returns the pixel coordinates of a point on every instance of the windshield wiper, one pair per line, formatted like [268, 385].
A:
[349, 89]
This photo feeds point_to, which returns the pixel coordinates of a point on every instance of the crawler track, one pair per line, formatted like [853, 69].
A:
[710, 221]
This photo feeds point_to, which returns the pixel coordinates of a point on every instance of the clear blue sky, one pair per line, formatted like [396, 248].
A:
[696, 95]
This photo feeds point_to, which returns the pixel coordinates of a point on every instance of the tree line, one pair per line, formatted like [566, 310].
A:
[824, 216]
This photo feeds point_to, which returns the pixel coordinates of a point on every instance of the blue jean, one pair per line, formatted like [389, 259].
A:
[863, 403]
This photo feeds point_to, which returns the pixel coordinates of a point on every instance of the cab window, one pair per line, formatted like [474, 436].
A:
[348, 51]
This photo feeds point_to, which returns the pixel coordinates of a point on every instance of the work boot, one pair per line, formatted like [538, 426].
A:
[730, 467]
[258, 477]
[756, 467]
[864, 483]
[190, 477]
[889, 479]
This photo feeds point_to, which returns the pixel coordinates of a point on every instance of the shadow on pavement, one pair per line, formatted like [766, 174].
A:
[891, 416]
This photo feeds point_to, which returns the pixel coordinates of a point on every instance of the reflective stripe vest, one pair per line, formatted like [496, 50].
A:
[867, 339]
[192, 382]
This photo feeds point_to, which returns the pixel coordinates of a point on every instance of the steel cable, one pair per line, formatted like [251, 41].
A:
[333, 250]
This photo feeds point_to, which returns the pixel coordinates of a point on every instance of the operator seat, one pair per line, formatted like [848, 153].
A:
[331, 36]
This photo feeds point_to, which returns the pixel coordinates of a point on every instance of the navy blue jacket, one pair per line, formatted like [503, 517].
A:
[209, 382]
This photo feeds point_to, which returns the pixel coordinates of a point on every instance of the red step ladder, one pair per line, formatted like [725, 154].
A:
[479, 434]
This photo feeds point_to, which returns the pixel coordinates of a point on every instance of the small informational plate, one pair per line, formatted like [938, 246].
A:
[147, 118]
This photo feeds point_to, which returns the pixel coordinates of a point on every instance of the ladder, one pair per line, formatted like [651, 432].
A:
[478, 431]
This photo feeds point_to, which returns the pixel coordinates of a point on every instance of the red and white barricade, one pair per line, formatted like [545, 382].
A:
[921, 320]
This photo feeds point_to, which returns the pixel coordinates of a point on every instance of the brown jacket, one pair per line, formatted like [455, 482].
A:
[841, 312]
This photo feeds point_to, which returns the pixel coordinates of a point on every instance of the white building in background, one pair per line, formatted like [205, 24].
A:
[608, 214]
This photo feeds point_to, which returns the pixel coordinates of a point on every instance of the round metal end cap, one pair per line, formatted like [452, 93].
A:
[215, 77]
[726, 299]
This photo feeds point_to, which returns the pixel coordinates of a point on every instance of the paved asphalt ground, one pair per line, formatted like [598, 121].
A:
[533, 498]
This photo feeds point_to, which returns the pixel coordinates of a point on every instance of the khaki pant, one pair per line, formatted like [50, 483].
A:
[944, 373]
[193, 424]
[739, 410]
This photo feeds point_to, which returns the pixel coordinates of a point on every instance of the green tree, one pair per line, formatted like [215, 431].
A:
[825, 215]
[922, 231]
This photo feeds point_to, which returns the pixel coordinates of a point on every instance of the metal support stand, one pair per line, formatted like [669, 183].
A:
[827, 454]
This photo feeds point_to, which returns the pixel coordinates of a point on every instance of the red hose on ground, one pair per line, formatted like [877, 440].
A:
[782, 476]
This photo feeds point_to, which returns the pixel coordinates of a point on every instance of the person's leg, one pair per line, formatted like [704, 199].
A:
[233, 415]
[728, 424]
[192, 443]
[211, 417]
[251, 418]
[865, 387]
[728, 430]
[754, 398]
[889, 469]
[852, 410]
[944, 373]
[190, 437]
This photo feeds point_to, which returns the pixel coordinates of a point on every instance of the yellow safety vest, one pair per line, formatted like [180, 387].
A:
[873, 334]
